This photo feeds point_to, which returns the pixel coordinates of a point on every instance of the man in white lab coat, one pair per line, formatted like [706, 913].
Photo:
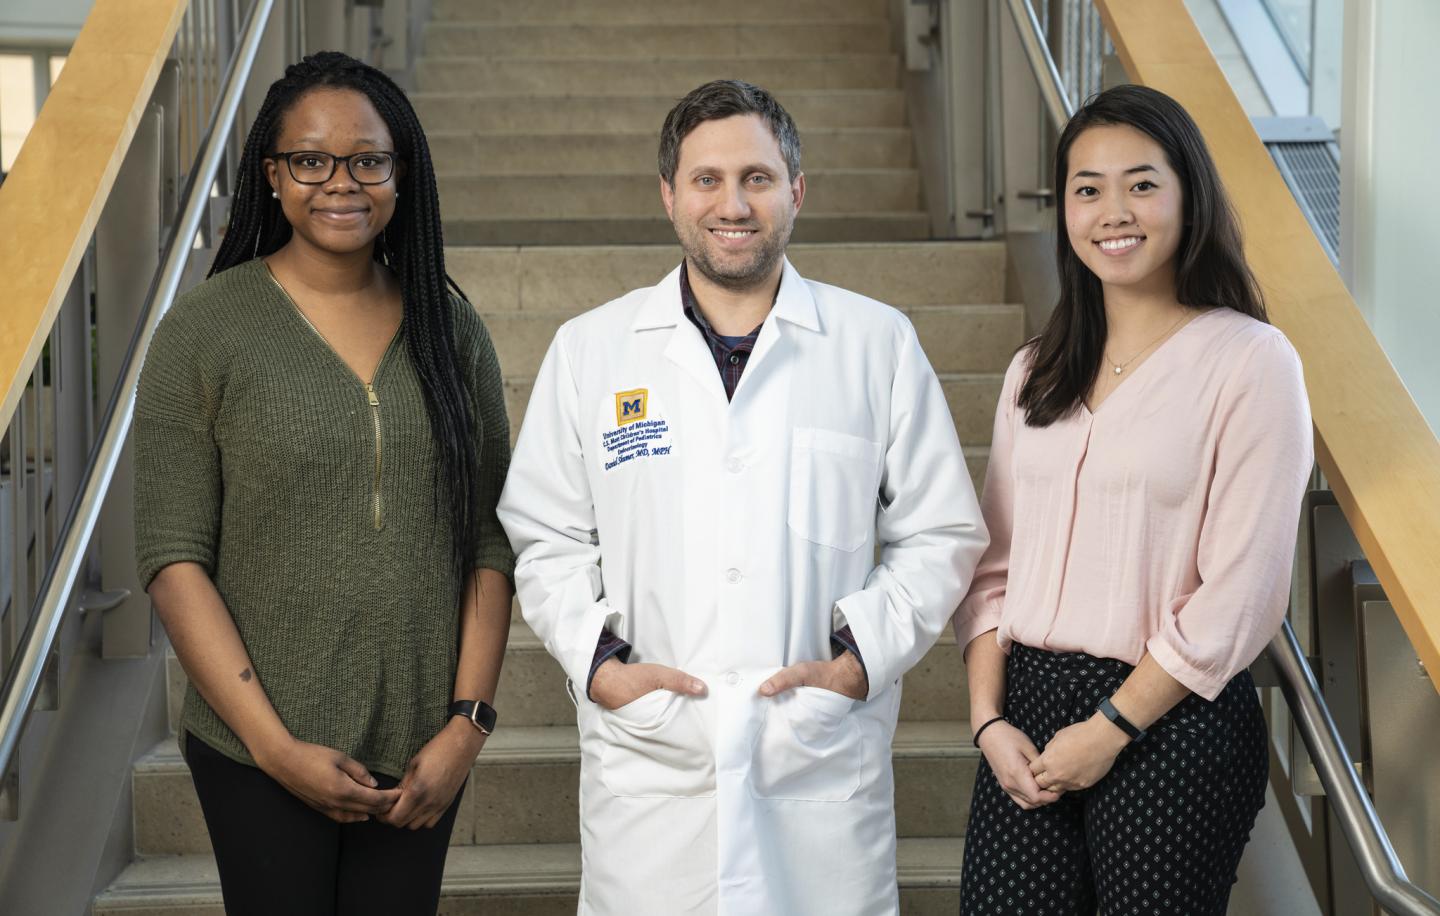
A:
[704, 472]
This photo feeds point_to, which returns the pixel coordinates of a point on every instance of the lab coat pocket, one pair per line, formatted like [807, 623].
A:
[809, 748]
[834, 487]
[657, 748]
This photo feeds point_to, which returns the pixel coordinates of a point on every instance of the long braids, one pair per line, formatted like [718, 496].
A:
[412, 245]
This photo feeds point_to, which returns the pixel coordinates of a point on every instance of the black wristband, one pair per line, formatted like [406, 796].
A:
[1108, 710]
[981, 730]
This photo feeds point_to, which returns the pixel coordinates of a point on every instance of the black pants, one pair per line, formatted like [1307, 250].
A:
[1162, 833]
[280, 857]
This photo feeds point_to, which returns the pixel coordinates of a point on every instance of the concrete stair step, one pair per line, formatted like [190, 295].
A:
[972, 400]
[609, 76]
[479, 107]
[912, 225]
[645, 11]
[575, 279]
[589, 152]
[531, 780]
[536, 879]
[957, 338]
[671, 39]
[532, 684]
[560, 196]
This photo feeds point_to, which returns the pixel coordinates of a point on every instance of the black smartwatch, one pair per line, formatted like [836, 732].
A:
[1108, 710]
[481, 714]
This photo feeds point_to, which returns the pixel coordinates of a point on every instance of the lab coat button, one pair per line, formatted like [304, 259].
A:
[732, 679]
[732, 576]
[734, 465]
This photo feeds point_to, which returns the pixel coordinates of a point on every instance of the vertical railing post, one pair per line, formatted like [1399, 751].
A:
[166, 97]
[127, 250]
[1023, 119]
[1402, 740]
[962, 54]
[395, 52]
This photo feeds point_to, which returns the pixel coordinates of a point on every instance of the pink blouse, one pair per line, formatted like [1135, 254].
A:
[1165, 521]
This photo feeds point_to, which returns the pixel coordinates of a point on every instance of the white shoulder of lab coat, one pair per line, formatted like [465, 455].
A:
[547, 509]
[929, 529]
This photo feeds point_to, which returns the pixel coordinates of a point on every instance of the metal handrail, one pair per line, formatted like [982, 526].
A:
[1042, 63]
[22, 681]
[1384, 875]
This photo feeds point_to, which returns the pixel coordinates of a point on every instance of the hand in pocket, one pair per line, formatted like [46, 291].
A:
[843, 675]
[617, 684]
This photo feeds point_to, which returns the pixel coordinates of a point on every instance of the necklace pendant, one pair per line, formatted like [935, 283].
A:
[1119, 369]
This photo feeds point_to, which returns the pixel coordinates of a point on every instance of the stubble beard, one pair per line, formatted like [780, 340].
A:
[738, 277]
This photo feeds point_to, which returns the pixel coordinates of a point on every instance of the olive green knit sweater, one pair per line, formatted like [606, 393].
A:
[261, 456]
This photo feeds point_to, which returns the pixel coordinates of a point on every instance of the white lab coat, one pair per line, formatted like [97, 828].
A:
[730, 539]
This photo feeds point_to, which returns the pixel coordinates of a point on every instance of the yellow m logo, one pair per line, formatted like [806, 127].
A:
[630, 405]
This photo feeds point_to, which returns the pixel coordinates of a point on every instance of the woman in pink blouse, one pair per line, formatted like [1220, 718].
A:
[1150, 451]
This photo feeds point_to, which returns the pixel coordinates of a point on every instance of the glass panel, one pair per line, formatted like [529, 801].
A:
[1293, 19]
[17, 104]
[57, 63]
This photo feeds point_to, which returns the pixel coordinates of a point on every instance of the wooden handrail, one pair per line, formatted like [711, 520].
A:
[1378, 453]
[53, 197]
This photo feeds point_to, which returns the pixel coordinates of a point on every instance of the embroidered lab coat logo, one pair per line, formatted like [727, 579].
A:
[630, 405]
[638, 431]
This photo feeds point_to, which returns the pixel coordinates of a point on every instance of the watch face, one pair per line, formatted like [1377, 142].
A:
[485, 717]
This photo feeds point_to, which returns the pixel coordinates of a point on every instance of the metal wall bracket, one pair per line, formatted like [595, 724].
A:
[102, 601]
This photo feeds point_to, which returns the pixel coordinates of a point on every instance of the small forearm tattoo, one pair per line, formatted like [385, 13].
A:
[246, 675]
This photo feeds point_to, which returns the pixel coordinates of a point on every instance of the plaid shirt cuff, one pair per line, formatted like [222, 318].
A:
[842, 640]
[609, 646]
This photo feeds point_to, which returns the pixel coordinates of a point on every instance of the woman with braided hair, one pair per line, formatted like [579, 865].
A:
[320, 444]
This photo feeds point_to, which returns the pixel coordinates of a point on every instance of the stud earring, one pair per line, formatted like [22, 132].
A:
[275, 194]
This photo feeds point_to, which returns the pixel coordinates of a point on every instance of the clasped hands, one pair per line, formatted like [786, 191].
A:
[342, 789]
[616, 683]
[1077, 757]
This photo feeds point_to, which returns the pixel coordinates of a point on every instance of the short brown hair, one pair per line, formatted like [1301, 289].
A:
[721, 99]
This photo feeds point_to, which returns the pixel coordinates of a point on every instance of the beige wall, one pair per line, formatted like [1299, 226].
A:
[1390, 198]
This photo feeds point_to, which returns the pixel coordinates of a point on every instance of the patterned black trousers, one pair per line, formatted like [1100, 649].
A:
[1161, 833]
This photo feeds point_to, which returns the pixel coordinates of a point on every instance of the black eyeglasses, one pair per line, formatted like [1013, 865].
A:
[315, 167]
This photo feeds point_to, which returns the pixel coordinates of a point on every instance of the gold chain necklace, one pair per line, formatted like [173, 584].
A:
[1120, 367]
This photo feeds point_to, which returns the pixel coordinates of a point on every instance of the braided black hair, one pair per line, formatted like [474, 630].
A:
[411, 245]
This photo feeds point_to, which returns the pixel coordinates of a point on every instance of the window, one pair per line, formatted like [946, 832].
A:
[17, 104]
[19, 100]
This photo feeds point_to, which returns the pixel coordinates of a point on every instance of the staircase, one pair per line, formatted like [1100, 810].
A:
[544, 122]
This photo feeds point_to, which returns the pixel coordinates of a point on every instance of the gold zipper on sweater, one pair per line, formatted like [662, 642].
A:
[375, 413]
[374, 399]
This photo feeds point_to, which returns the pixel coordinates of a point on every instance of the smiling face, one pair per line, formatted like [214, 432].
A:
[733, 203]
[338, 216]
[1124, 208]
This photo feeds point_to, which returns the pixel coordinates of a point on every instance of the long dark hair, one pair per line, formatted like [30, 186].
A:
[411, 245]
[1210, 268]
